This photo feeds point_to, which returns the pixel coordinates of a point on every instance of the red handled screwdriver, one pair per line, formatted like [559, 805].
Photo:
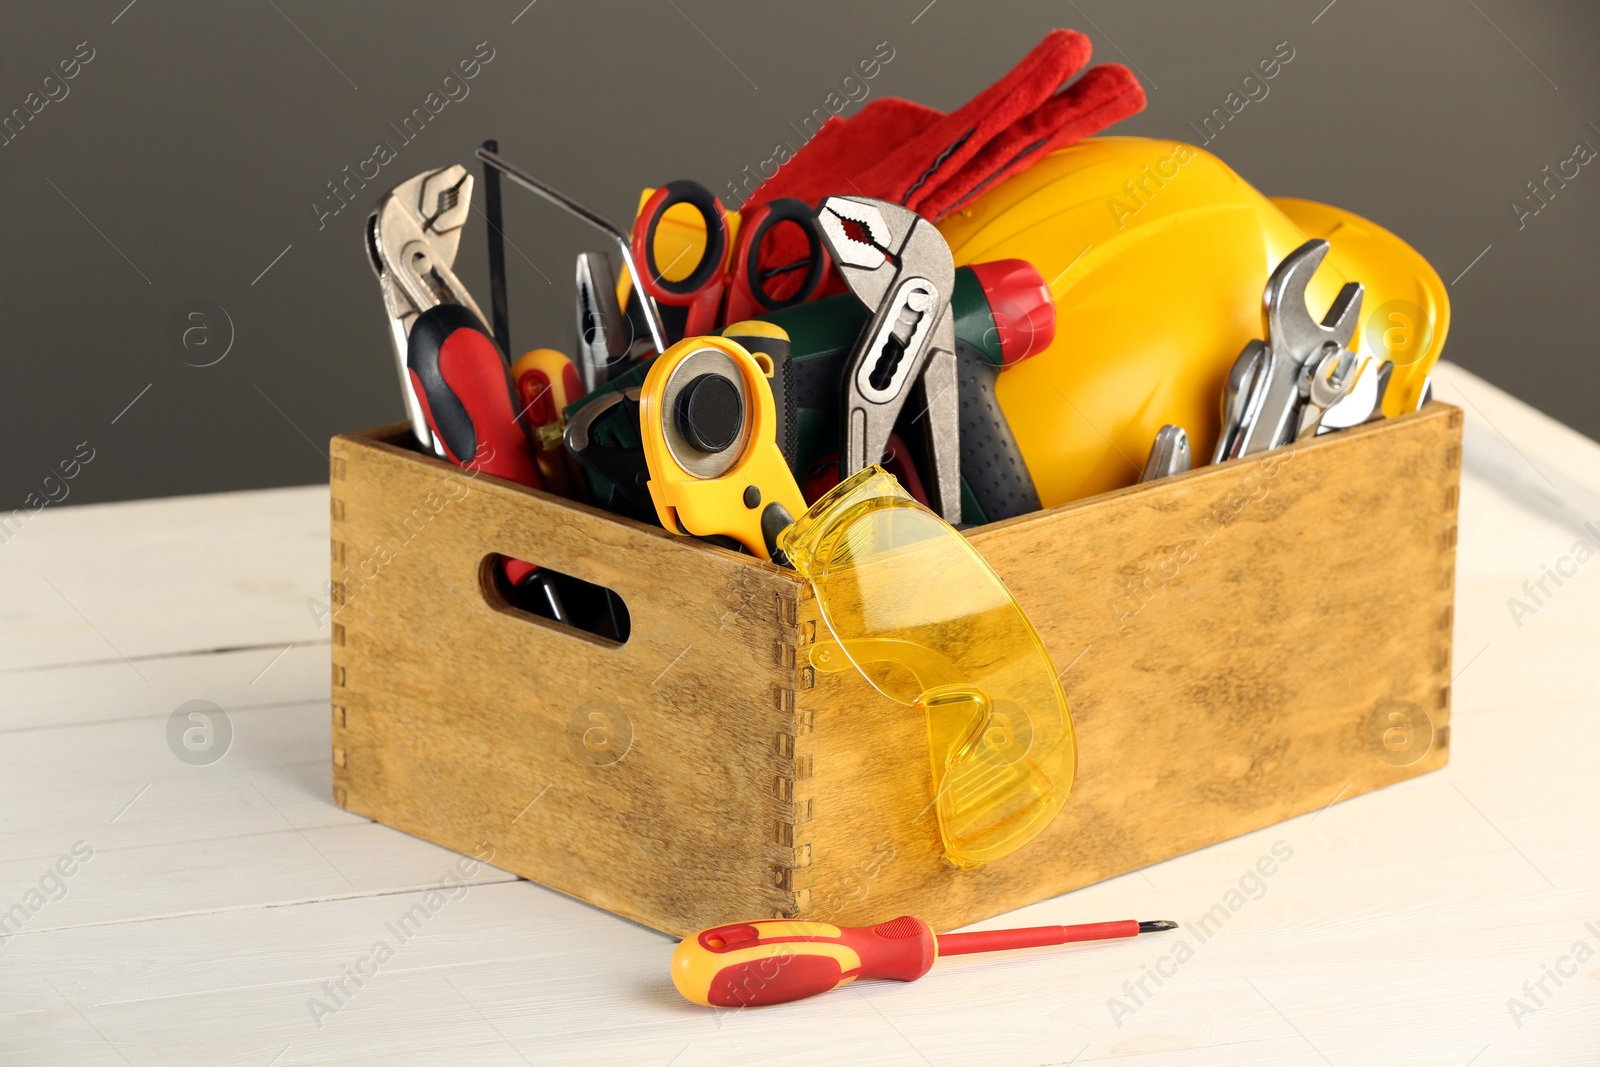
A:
[463, 383]
[773, 961]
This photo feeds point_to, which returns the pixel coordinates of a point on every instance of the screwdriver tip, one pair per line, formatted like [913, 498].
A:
[1157, 924]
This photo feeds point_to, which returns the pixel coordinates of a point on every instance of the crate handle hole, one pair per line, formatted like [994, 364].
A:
[548, 597]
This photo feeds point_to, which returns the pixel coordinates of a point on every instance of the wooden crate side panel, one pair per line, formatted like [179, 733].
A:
[651, 779]
[1232, 641]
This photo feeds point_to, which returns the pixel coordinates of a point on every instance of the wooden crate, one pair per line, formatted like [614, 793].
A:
[1240, 645]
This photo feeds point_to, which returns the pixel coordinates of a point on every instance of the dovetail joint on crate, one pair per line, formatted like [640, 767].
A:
[336, 509]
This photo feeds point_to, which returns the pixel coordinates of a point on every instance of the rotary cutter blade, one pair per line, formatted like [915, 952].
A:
[709, 427]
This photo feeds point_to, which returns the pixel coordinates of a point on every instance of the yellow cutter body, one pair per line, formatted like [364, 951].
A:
[728, 492]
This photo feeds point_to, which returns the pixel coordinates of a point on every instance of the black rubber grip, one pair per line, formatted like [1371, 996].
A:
[786, 209]
[785, 390]
[991, 463]
[451, 420]
[697, 196]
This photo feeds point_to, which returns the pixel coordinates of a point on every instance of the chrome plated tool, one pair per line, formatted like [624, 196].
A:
[1236, 395]
[1169, 454]
[652, 314]
[412, 238]
[603, 335]
[1294, 338]
[898, 264]
[1364, 401]
[1326, 380]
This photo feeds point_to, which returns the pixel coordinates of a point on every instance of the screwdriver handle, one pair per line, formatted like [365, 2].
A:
[779, 960]
[546, 382]
[463, 384]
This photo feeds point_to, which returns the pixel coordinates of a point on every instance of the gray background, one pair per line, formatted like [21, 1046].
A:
[189, 151]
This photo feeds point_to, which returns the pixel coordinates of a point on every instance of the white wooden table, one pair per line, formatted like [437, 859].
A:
[207, 905]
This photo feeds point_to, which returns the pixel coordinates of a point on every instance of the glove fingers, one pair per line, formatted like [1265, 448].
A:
[1104, 95]
[947, 145]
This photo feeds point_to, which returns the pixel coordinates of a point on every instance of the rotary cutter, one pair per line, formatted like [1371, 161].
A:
[710, 429]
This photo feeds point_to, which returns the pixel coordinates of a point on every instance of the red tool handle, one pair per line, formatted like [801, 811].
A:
[778, 960]
[772, 961]
[463, 383]
[701, 291]
[748, 292]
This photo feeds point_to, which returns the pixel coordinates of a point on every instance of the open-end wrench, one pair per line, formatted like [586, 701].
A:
[1169, 454]
[898, 264]
[1326, 379]
[1236, 395]
[1293, 338]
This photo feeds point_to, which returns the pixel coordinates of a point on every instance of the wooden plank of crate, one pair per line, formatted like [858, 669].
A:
[652, 779]
[1231, 641]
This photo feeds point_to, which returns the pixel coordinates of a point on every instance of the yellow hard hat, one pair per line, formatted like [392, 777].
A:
[1156, 254]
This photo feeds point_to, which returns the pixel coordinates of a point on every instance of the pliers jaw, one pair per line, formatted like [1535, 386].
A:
[899, 265]
[412, 237]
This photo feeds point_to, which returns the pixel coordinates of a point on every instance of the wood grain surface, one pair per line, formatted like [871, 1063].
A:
[478, 729]
[1232, 643]
[223, 900]
[1236, 644]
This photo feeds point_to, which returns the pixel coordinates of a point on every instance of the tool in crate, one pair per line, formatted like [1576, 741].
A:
[454, 377]
[1281, 388]
[999, 313]
[900, 267]
[742, 365]
[725, 283]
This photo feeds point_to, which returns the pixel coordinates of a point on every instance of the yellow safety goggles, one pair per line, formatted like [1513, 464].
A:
[914, 607]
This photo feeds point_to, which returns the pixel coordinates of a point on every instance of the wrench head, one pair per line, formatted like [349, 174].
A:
[1327, 377]
[1290, 327]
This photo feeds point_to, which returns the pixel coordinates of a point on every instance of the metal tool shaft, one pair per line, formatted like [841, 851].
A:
[652, 315]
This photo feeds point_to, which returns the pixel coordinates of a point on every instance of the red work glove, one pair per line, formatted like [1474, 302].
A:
[909, 154]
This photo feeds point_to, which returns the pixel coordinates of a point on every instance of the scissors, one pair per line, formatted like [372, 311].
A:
[722, 290]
